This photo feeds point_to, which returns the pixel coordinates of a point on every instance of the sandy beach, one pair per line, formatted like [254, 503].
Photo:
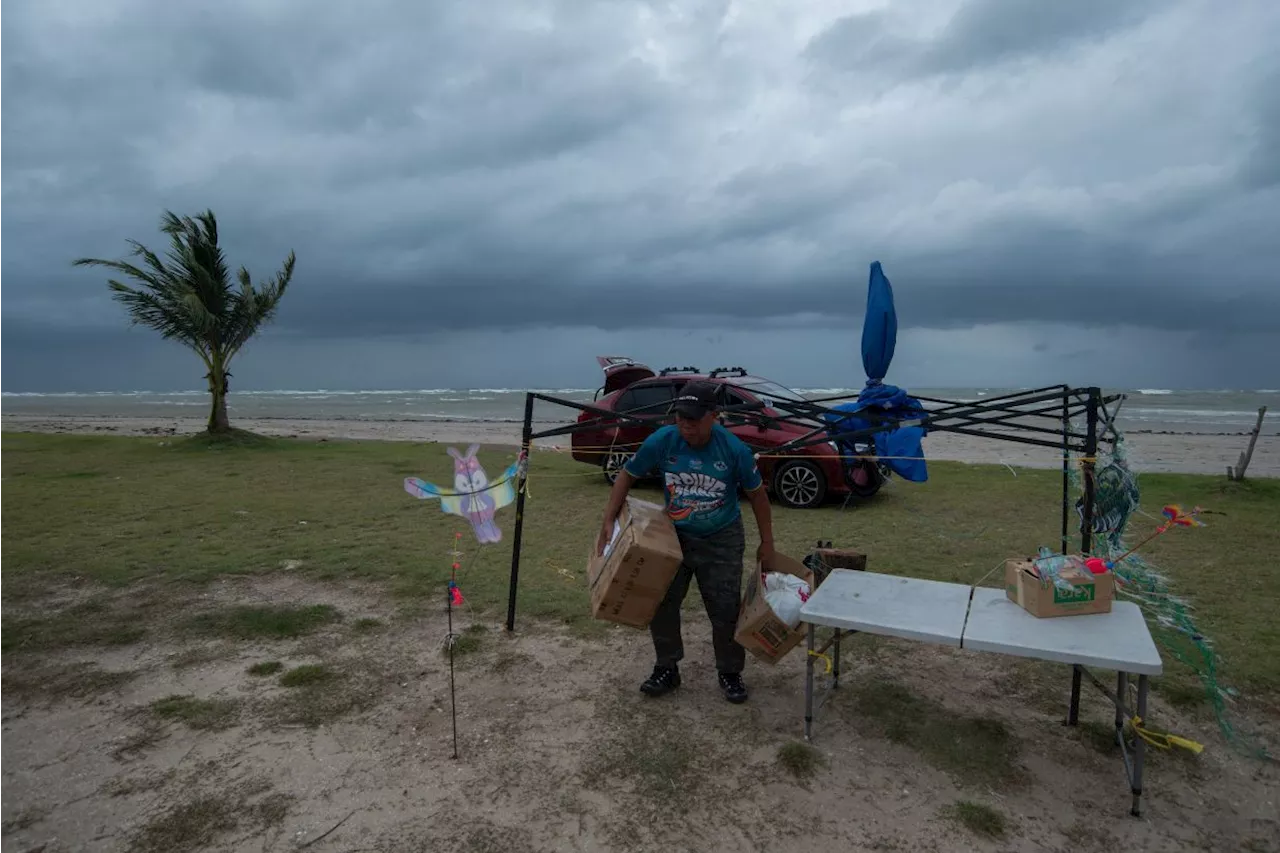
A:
[1148, 452]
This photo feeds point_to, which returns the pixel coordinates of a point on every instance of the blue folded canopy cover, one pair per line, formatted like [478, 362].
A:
[900, 448]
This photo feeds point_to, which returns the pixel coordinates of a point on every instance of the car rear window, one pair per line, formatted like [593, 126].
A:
[652, 399]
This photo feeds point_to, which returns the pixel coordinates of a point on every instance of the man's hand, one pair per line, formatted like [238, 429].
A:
[617, 496]
[764, 521]
[764, 555]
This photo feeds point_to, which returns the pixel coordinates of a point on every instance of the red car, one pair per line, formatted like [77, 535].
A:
[802, 479]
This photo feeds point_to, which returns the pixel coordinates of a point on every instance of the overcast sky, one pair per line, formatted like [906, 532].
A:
[485, 194]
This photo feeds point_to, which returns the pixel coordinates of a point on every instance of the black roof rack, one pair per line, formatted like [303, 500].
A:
[728, 371]
[668, 370]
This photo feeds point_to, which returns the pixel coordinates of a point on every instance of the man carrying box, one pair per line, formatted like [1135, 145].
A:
[702, 465]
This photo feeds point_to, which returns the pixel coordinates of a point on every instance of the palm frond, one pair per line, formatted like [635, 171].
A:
[194, 252]
[152, 261]
[254, 306]
[149, 309]
[157, 283]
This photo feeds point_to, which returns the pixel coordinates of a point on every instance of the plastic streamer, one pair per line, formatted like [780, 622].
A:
[1116, 499]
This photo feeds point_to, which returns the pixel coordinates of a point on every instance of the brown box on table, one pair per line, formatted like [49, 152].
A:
[630, 580]
[759, 630]
[1089, 593]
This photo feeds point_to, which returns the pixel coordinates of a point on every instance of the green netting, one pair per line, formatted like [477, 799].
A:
[1116, 500]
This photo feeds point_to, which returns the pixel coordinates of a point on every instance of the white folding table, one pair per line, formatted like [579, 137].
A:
[985, 620]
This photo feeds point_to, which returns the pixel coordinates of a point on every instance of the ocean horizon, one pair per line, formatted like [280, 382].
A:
[1212, 411]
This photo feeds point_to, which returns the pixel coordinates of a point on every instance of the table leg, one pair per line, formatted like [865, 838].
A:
[1139, 749]
[835, 663]
[1073, 711]
[808, 687]
[1122, 702]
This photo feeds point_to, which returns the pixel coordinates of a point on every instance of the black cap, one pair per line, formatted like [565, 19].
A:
[696, 398]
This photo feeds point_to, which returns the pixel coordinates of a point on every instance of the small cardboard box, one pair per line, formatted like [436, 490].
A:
[630, 580]
[842, 558]
[1090, 593]
[759, 630]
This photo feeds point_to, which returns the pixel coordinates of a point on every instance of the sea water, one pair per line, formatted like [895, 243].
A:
[1145, 410]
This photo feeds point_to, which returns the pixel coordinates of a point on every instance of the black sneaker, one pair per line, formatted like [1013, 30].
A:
[663, 680]
[732, 687]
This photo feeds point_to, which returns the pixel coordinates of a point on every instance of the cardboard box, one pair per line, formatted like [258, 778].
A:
[842, 558]
[759, 630]
[630, 580]
[1090, 593]
[823, 560]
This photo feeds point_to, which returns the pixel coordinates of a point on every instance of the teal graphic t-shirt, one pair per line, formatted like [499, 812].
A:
[701, 484]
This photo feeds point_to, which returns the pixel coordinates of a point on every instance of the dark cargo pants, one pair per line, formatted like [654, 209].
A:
[716, 561]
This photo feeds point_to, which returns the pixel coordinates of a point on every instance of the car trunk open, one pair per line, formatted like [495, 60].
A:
[619, 372]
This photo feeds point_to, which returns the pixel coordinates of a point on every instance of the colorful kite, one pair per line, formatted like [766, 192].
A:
[1176, 518]
[472, 497]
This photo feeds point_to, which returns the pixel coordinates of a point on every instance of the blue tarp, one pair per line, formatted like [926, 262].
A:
[900, 442]
[879, 336]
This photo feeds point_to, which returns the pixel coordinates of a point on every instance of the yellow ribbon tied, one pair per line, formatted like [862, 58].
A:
[1163, 740]
[824, 658]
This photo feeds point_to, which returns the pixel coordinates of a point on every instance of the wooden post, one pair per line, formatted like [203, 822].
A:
[1238, 473]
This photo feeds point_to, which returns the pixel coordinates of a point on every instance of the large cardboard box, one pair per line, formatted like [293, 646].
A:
[630, 580]
[761, 632]
[1089, 593]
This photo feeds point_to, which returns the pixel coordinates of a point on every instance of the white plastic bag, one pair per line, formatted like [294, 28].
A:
[785, 594]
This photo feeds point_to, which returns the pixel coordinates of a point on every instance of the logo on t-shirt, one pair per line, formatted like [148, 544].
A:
[690, 493]
[721, 465]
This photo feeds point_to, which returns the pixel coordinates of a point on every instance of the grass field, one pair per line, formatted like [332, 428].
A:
[244, 644]
[114, 510]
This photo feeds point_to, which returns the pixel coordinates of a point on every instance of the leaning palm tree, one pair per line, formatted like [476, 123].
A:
[192, 299]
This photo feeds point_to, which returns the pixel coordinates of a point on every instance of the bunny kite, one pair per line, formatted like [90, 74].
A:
[472, 497]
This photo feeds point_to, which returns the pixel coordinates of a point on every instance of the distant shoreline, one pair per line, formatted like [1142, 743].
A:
[1149, 452]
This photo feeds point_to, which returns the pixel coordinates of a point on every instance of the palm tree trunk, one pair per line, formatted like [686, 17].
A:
[218, 420]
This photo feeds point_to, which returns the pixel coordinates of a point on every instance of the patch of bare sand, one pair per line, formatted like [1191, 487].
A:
[559, 751]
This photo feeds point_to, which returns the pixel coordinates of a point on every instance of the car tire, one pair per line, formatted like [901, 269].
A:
[799, 484]
[613, 461]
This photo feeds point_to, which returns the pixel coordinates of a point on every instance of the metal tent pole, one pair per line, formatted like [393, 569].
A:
[525, 441]
[1089, 463]
[1066, 468]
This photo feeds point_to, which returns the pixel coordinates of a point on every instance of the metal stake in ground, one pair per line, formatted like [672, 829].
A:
[449, 593]
[453, 699]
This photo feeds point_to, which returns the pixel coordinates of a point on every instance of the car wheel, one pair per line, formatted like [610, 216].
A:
[613, 463]
[799, 484]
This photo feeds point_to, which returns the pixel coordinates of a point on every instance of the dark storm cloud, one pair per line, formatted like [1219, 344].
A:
[980, 34]
[1262, 169]
[935, 300]
[446, 166]
[992, 31]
